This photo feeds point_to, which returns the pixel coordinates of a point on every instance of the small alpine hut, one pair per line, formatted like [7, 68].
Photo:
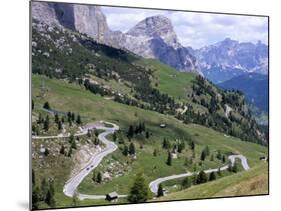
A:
[162, 125]
[111, 196]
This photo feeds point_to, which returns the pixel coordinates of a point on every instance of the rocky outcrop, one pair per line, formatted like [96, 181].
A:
[44, 12]
[91, 21]
[85, 19]
[154, 37]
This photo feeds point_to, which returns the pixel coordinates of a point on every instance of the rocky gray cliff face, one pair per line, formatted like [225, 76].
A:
[45, 12]
[157, 27]
[91, 21]
[153, 37]
[86, 19]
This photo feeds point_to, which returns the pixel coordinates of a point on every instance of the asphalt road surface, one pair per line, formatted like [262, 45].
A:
[70, 187]
[155, 183]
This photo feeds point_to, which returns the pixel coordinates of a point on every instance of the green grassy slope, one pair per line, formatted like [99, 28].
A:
[252, 182]
[100, 82]
[169, 80]
[63, 96]
[131, 80]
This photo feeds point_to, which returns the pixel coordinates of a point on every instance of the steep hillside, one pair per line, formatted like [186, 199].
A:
[251, 182]
[62, 96]
[147, 84]
[254, 86]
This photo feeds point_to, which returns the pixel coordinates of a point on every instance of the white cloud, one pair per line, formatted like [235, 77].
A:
[195, 29]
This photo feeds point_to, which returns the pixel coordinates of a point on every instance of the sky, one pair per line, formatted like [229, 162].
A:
[195, 29]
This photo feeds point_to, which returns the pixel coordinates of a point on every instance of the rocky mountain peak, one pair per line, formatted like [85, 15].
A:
[156, 27]
[153, 37]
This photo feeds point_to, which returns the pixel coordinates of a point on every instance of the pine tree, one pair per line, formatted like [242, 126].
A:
[47, 105]
[201, 177]
[96, 141]
[68, 115]
[56, 118]
[130, 132]
[46, 153]
[223, 159]
[186, 183]
[72, 117]
[78, 120]
[169, 159]
[132, 149]
[160, 191]
[70, 122]
[96, 133]
[192, 145]
[59, 125]
[99, 177]
[40, 119]
[155, 152]
[89, 134]
[50, 199]
[125, 150]
[212, 176]
[35, 197]
[166, 144]
[203, 155]
[62, 150]
[147, 135]
[33, 177]
[46, 123]
[181, 147]
[140, 190]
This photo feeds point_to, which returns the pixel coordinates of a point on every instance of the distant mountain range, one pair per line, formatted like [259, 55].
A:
[154, 37]
[253, 85]
[229, 58]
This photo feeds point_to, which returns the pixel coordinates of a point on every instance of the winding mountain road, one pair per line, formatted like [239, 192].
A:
[155, 183]
[70, 187]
